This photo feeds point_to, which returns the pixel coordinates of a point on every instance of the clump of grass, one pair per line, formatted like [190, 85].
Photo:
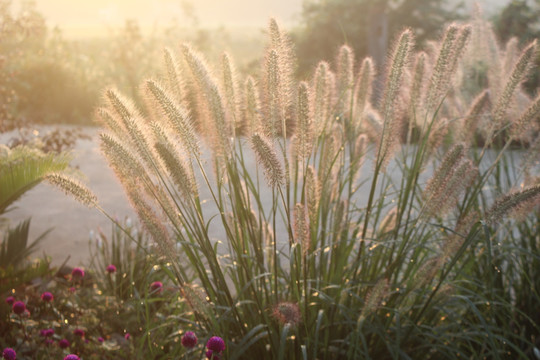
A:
[284, 212]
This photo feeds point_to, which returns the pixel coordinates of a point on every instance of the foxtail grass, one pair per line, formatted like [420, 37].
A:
[290, 234]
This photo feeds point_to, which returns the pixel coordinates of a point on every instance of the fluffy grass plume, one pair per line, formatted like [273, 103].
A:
[267, 156]
[516, 77]
[512, 203]
[398, 62]
[73, 188]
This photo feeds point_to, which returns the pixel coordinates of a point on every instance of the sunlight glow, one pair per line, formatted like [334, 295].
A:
[94, 17]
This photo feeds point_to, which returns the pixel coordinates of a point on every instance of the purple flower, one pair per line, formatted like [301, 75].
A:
[100, 339]
[10, 300]
[216, 344]
[47, 296]
[72, 289]
[156, 286]
[212, 355]
[78, 332]
[64, 343]
[127, 336]
[189, 339]
[77, 273]
[46, 332]
[49, 342]
[9, 354]
[111, 269]
[18, 307]
[72, 357]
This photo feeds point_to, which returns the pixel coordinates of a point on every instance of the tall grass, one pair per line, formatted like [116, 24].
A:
[305, 219]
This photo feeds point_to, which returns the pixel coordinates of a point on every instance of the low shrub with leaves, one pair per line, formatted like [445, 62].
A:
[99, 312]
[276, 204]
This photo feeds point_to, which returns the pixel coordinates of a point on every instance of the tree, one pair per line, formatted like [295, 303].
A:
[518, 19]
[19, 32]
[327, 24]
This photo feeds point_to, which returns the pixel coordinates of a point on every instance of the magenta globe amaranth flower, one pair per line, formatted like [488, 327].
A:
[64, 343]
[127, 336]
[78, 332]
[72, 357]
[100, 339]
[156, 286]
[216, 344]
[9, 354]
[111, 269]
[77, 273]
[47, 296]
[189, 339]
[10, 300]
[18, 307]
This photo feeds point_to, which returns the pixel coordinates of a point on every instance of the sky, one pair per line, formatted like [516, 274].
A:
[80, 17]
[84, 15]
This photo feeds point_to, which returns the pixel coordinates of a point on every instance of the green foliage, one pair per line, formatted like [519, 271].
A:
[12, 277]
[22, 168]
[121, 316]
[128, 250]
[62, 98]
[14, 248]
[155, 319]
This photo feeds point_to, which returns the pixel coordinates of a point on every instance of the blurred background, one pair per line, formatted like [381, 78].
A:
[57, 55]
